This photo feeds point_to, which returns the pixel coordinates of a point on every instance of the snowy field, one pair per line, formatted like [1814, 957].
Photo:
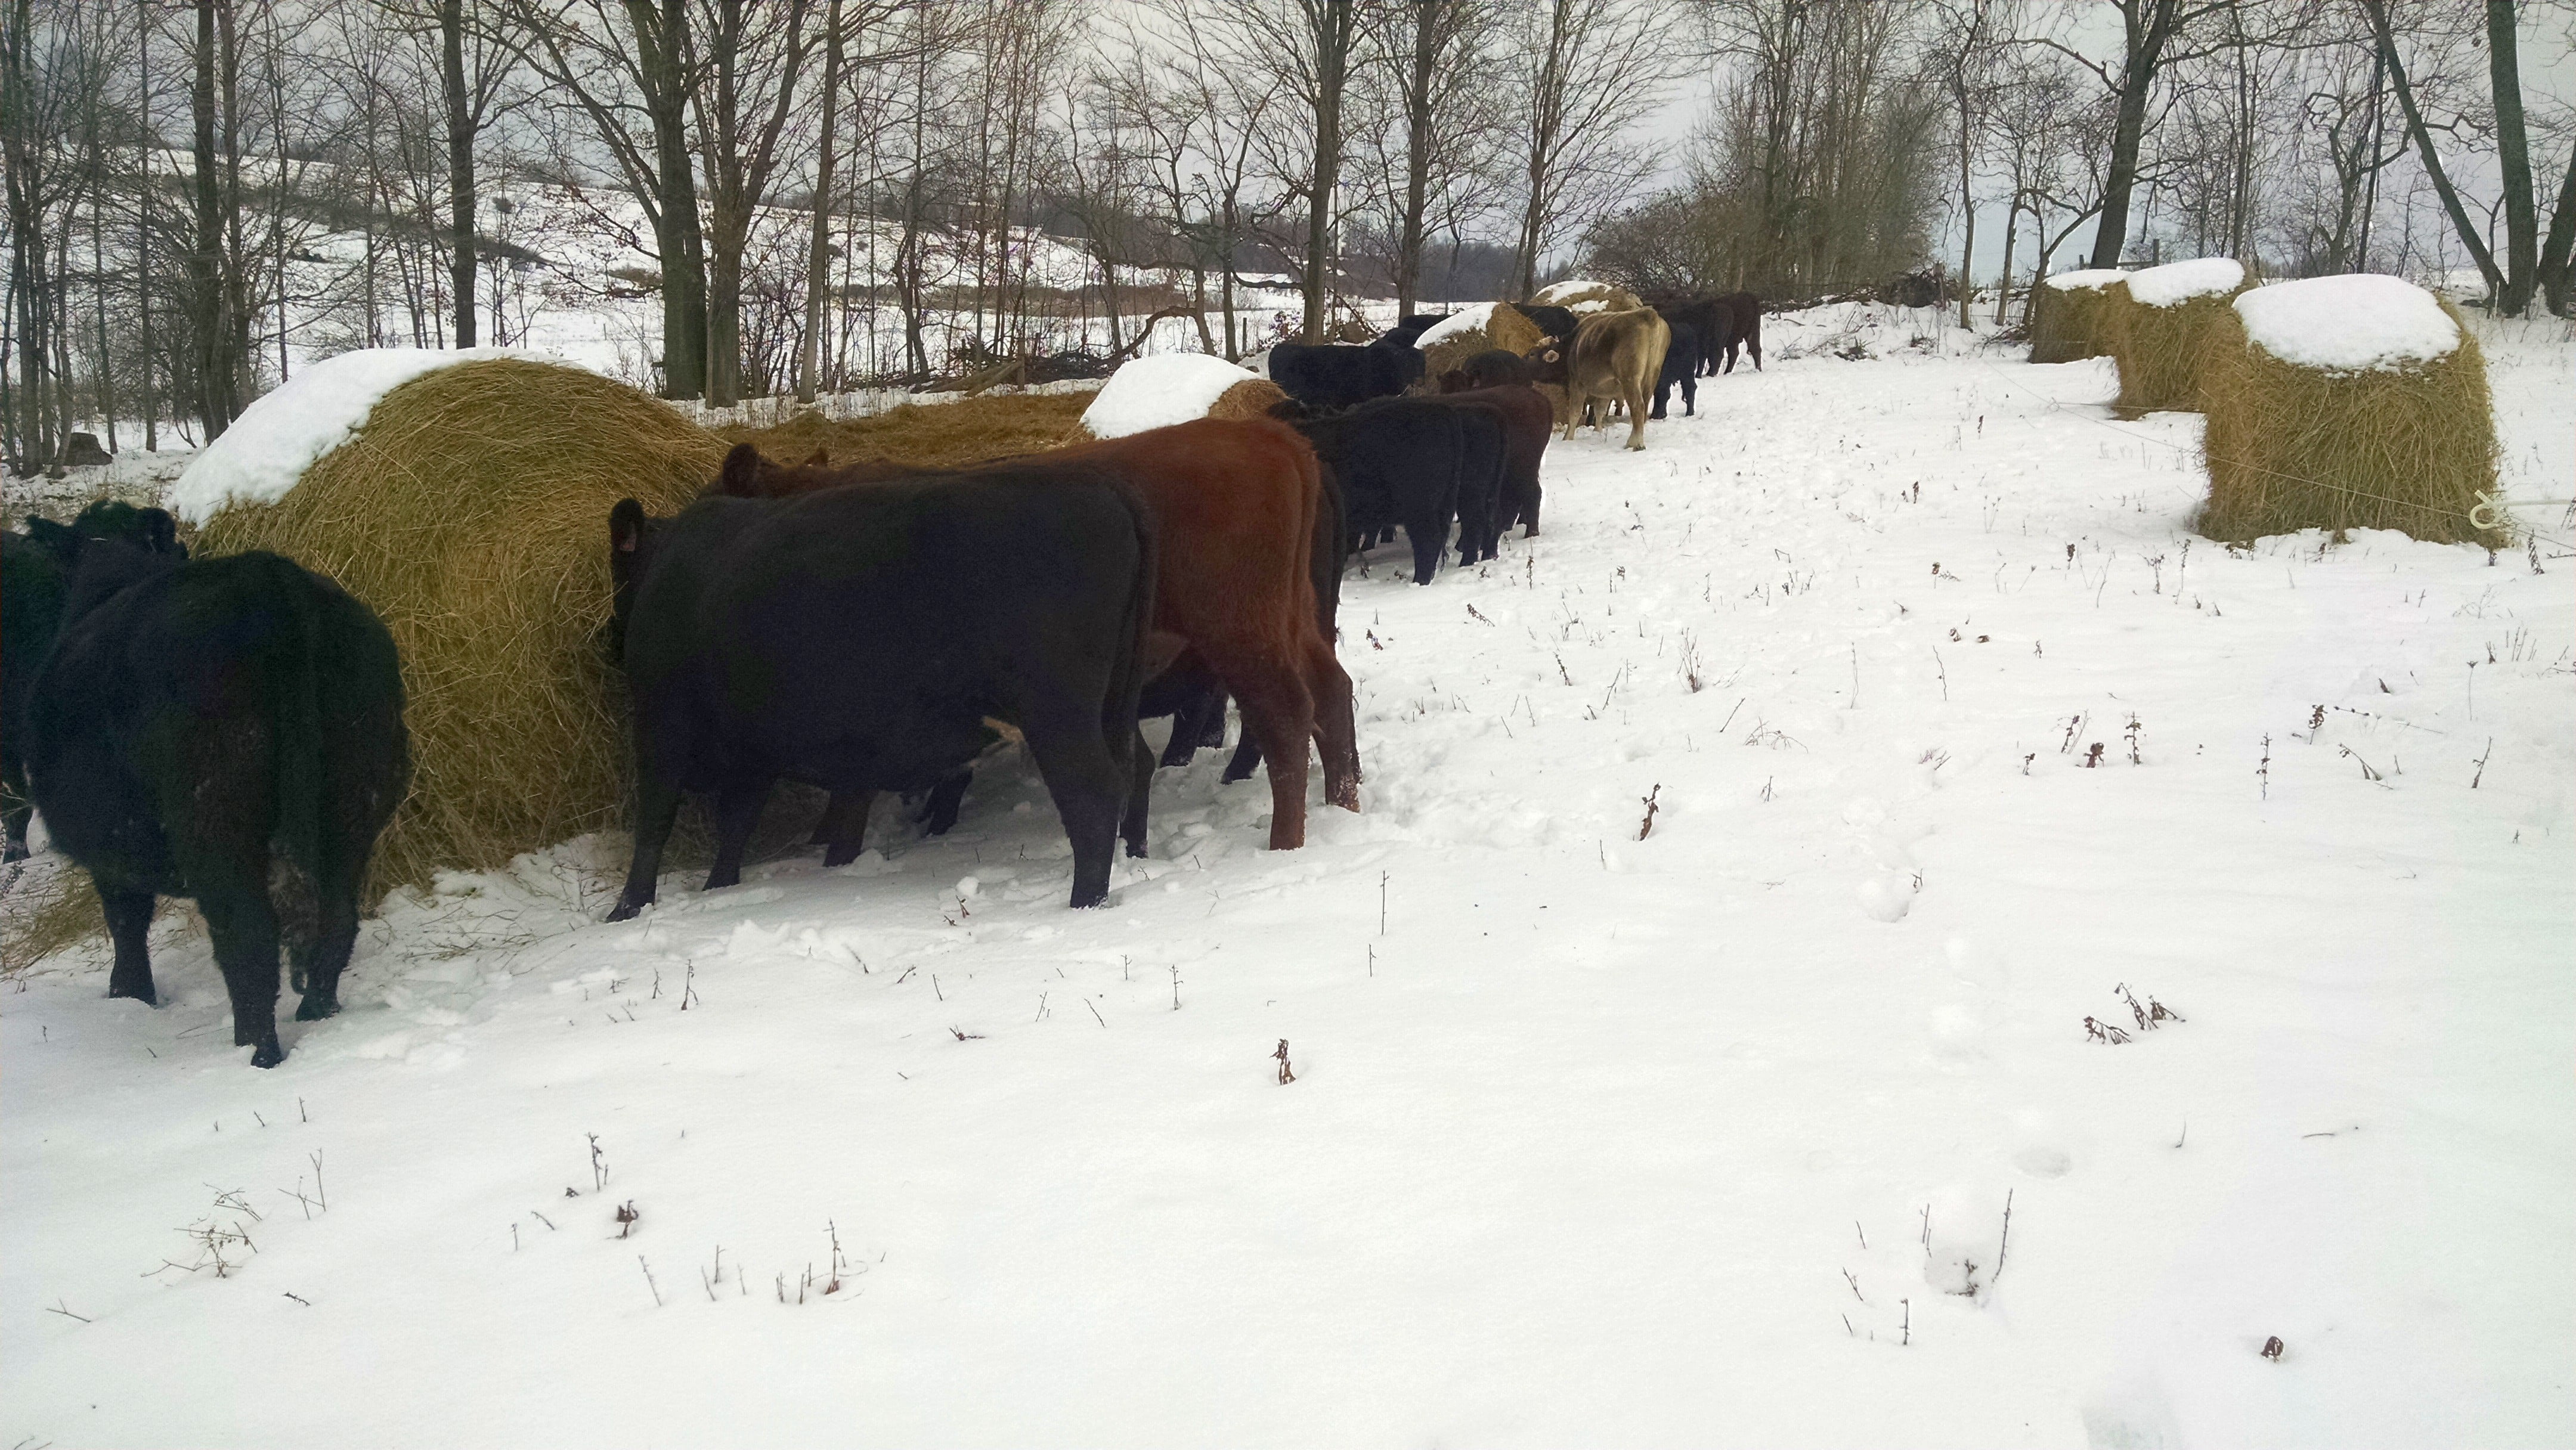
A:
[1705, 1138]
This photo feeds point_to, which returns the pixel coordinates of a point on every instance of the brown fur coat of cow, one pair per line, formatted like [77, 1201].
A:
[1617, 356]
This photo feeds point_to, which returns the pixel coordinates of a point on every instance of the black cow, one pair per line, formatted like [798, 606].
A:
[229, 730]
[1556, 322]
[857, 638]
[1740, 326]
[1343, 377]
[1681, 369]
[1494, 368]
[1398, 462]
[35, 575]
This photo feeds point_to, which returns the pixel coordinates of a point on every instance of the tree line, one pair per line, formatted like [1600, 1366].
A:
[806, 195]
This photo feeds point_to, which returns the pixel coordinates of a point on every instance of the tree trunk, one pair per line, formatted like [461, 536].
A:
[676, 230]
[818, 253]
[1330, 23]
[2441, 179]
[2003, 283]
[1418, 122]
[2146, 35]
[143, 223]
[2552, 272]
[2513, 155]
[215, 405]
[460, 165]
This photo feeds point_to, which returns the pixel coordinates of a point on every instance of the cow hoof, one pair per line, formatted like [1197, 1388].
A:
[144, 995]
[315, 1008]
[839, 856]
[626, 910]
[269, 1053]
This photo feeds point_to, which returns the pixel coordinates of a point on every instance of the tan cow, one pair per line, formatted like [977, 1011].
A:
[1617, 356]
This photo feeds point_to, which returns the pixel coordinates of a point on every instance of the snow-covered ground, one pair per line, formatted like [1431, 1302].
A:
[1703, 1138]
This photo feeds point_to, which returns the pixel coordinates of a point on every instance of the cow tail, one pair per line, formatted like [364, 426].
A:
[1127, 678]
[296, 706]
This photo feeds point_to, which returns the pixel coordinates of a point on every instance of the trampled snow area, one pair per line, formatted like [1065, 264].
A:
[286, 428]
[1158, 391]
[2354, 323]
[1705, 1138]
[2179, 282]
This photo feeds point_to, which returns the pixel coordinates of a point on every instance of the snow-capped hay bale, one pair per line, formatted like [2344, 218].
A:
[934, 435]
[1158, 391]
[1251, 398]
[471, 513]
[2157, 326]
[1577, 295]
[1476, 329]
[2066, 314]
[2353, 402]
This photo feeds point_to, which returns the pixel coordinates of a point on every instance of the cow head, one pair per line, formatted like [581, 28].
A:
[1547, 360]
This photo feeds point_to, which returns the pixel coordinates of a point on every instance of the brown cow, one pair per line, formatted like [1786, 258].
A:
[1617, 357]
[1237, 504]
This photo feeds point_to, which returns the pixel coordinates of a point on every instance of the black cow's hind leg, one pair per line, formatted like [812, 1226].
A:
[1090, 790]
[846, 820]
[939, 812]
[657, 805]
[738, 803]
[1140, 789]
[244, 928]
[129, 922]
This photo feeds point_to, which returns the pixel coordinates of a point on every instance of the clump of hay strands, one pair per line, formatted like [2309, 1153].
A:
[937, 435]
[1251, 398]
[2160, 350]
[471, 513]
[1507, 328]
[2066, 322]
[2406, 447]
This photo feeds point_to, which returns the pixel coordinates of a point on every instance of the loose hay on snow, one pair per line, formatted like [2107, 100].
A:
[2290, 448]
[2066, 321]
[470, 512]
[1506, 328]
[2160, 350]
[937, 435]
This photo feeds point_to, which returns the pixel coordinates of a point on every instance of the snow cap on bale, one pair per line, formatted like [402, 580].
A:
[1472, 330]
[1577, 295]
[1158, 391]
[2066, 314]
[279, 436]
[2355, 402]
[470, 511]
[2157, 325]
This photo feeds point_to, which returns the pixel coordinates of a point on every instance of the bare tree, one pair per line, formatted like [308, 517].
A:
[1436, 57]
[1586, 71]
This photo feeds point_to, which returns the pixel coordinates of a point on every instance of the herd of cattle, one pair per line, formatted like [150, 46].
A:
[231, 729]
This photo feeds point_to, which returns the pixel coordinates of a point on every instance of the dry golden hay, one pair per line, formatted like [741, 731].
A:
[1251, 398]
[2159, 348]
[471, 513]
[1505, 327]
[2290, 448]
[2066, 315]
[938, 435]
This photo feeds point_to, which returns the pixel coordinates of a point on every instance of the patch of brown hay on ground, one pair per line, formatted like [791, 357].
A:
[937, 435]
[2160, 350]
[2293, 448]
[1508, 328]
[471, 513]
[2066, 325]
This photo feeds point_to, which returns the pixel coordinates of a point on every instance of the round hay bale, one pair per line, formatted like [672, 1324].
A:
[1158, 391]
[1467, 333]
[2356, 402]
[1251, 398]
[470, 512]
[2066, 314]
[1577, 295]
[2156, 326]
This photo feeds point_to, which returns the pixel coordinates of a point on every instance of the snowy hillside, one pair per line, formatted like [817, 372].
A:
[1950, 737]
